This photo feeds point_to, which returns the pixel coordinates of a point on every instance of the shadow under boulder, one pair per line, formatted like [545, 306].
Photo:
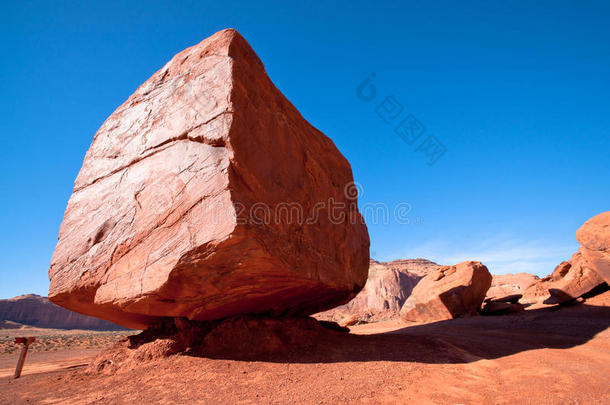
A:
[239, 338]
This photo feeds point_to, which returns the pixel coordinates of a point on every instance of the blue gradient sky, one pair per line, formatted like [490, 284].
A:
[517, 93]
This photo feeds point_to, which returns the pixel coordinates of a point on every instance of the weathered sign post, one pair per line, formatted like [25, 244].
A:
[24, 350]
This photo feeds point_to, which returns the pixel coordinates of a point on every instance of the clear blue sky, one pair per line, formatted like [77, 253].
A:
[517, 93]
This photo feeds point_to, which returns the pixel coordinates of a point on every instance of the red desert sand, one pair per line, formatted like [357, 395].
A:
[550, 355]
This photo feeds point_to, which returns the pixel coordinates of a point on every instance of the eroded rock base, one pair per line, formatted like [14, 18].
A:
[239, 338]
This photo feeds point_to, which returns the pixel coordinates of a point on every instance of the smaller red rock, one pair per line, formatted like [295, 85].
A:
[350, 320]
[449, 292]
[510, 284]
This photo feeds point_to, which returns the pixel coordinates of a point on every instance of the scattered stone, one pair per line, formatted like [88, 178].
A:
[511, 299]
[568, 281]
[501, 308]
[350, 320]
[505, 285]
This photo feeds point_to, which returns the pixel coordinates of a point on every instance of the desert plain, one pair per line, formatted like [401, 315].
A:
[546, 355]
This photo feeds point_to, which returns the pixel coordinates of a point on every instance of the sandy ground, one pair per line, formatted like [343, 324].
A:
[48, 340]
[54, 349]
[43, 362]
[542, 356]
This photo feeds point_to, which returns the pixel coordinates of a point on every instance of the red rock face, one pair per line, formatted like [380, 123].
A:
[447, 293]
[586, 270]
[387, 287]
[34, 310]
[509, 284]
[594, 236]
[206, 194]
[568, 281]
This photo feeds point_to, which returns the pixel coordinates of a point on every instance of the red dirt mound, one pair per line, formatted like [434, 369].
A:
[240, 338]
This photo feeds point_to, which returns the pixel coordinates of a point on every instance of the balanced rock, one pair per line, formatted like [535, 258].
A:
[446, 293]
[207, 195]
[386, 289]
[568, 281]
[594, 236]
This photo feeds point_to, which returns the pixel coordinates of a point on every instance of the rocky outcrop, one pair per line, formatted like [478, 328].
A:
[588, 269]
[206, 195]
[506, 285]
[449, 292]
[34, 310]
[568, 281]
[594, 237]
[386, 289]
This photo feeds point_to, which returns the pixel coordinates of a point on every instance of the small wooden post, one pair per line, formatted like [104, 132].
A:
[24, 350]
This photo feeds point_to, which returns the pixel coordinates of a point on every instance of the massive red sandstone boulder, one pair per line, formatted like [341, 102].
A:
[387, 287]
[568, 281]
[506, 285]
[447, 293]
[205, 195]
[594, 236]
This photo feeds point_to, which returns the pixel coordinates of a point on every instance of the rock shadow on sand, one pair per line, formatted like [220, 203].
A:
[305, 340]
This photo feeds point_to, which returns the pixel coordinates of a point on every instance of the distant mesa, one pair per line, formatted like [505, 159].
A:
[37, 311]
[388, 285]
[184, 205]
